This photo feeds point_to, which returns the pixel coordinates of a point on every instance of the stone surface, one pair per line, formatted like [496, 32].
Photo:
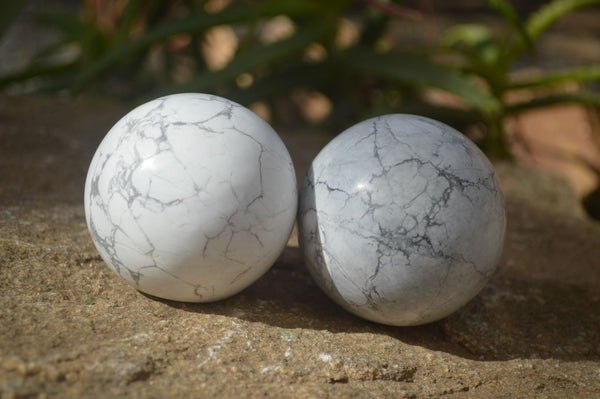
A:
[401, 220]
[191, 197]
[71, 328]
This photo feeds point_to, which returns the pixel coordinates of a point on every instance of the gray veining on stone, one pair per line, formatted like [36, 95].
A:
[401, 220]
[191, 197]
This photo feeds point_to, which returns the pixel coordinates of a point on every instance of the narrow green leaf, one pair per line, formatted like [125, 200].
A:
[547, 15]
[130, 12]
[302, 8]
[586, 74]
[415, 70]
[48, 62]
[374, 27]
[470, 34]
[477, 50]
[68, 24]
[194, 23]
[312, 75]
[34, 71]
[509, 13]
[582, 98]
[251, 59]
[9, 12]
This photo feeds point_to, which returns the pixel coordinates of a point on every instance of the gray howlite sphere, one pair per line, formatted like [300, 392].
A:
[401, 220]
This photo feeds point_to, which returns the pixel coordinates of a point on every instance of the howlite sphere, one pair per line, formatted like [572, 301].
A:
[190, 197]
[401, 220]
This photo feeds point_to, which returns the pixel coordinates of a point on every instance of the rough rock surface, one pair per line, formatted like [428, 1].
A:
[69, 327]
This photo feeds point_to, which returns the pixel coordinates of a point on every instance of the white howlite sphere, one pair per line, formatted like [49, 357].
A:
[191, 197]
[401, 220]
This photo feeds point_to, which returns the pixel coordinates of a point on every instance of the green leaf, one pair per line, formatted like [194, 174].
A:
[509, 13]
[478, 49]
[302, 8]
[68, 24]
[547, 15]
[470, 34]
[582, 98]
[415, 70]
[33, 71]
[585, 74]
[251, 59]
[312, 75]
[193, 23]
[130, 13]
[48, 62]
[542, 20]
[9, 12]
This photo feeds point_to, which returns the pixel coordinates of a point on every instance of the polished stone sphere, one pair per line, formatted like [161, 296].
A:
[191, 197]
[401, 220]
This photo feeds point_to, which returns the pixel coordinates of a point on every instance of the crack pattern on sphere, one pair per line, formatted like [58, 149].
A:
[401, 219]
[190, 197]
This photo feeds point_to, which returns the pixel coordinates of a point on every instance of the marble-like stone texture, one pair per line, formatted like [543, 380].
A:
[401, 220]
[191, 197]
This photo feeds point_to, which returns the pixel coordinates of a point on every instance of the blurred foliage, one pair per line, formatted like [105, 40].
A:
[490, 57]
[137, 50]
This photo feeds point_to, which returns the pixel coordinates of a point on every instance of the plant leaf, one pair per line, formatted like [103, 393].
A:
[509, 13]
[298, 76]
[415, 70]
[582, 97]
[49, 61]
[547, 15]
[68, 24]
[470, 34]
[478, 51]
[585, 74]
[302, 8]
[128, 18]
[34, 70]
[193, 23]
[251, 59]
[9, 12]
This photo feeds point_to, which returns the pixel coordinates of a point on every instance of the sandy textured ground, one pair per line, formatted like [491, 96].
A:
[70, 328]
